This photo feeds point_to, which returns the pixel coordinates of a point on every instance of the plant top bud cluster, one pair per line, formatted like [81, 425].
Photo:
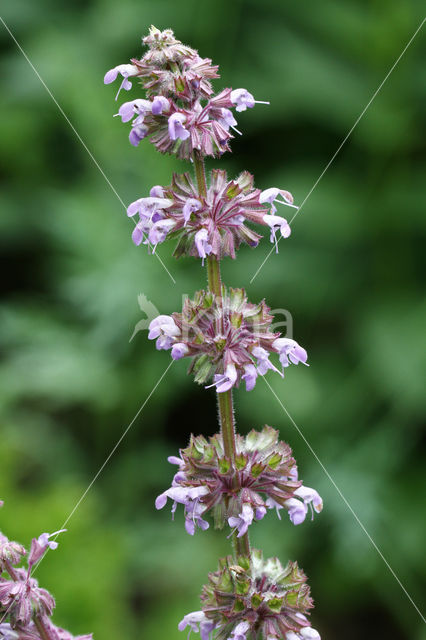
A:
[180, 114]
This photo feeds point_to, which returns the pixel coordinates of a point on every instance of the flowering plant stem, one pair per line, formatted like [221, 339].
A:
[224, 400]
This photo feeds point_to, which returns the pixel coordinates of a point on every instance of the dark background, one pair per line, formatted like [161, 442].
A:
[351, 274]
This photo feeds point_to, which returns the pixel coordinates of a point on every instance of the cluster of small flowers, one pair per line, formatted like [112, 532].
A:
[227, 337]
[176, 80]
[213, 224]
[254, 598]
[208, 482]
[26, 608]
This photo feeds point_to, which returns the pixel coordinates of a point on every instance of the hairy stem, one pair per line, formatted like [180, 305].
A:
[41, 628]
[224, 400]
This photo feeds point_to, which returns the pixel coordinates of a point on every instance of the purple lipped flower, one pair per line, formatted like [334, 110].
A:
[242, 99]
[179, 350]
[135, 107]
[225, 381]
[275, 223]
[157, 191]
[40, 545]
[250, 375]
[137, 134]
[228, 121]
[239, 632]
[290, 351]
[175, 460]
[243, 520]
[273, 504]
[190, 206]
[198, 622]
[296, 510]
[260, 513]
[126, 71]
[160, 104]
[159, 231]
[193, 511]
[310, 497]
[308, 633]
[263, 362]
[163, 328]
[176, 128]
[138, 233]
[147, 207]
[204, 248]
[271, 195]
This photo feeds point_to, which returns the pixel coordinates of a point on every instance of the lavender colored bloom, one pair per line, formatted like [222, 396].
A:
[179, 350]
[159, 231]
[263, 362]
[296, 510]
[164, 329]
[175, 460]
[271, 195]
[243, 521]
[225, 381]
[260, 513]
[193, 519]
[272, 504]
[202, 244]
[195, 619]
[250, 375]
[240, 631]
[160, 104]
[138, 232]
[40, 545]
[311, 497]
[275, 223]
[190, 206]
[137, 134]
[242, 99]
[227, 120]
[126, 71]
[134, 107]
[147, 207]
[290, 351]
[157, 191]
[190, 498]
[176, 128]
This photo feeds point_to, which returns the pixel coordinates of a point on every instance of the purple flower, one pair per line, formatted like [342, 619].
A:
[190, 206]
[157, 191]
[242, 99]
[228, 121]
[296, 510]
[190, 498]
[126, 71]
[176, 128]
[225, 381]
[40, 545]
[193, 620]
[272, 504]
[263, 362]
[137, 134]
[271, 195]
[260, 513]
[250, 375]
[160, 104]
[310, 497]
[243, 521]
[239, 632]
[147, 207]
[179, 350]
[202, 243]
[275, 223]
[134, 107]
[164, 329]
[290, 350]
[159, 231]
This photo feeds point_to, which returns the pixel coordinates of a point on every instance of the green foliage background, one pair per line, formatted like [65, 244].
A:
[351, 275]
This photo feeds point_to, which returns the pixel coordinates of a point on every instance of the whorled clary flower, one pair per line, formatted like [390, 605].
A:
[228, 338]
[251, 598]
[264, 475]
[180, 114]
[215, 224]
